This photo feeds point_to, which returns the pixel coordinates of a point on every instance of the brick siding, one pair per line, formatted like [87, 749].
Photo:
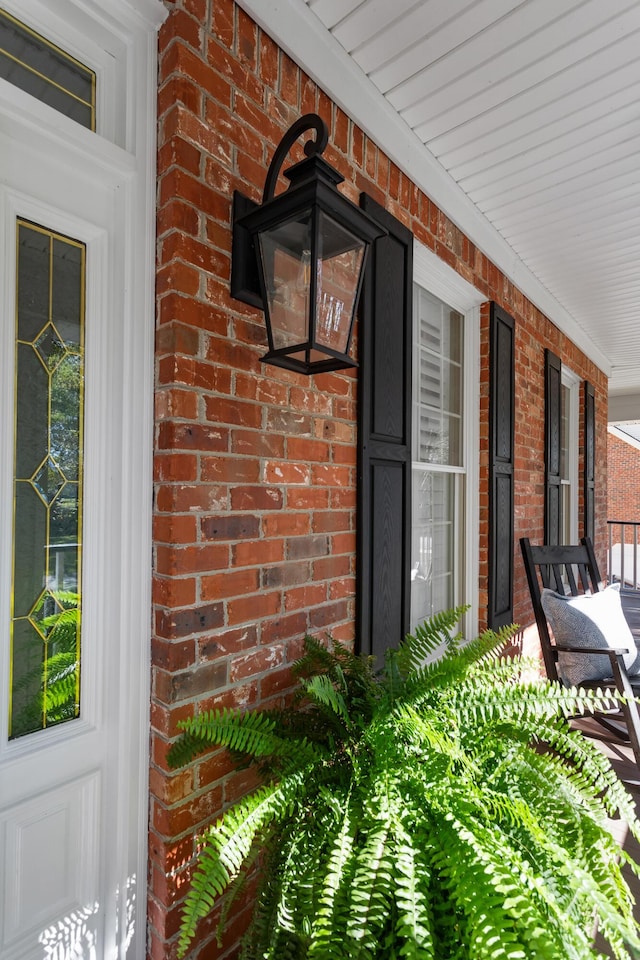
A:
[254, 526]
[624, 481]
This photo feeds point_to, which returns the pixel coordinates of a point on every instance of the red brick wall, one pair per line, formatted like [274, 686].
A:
[255, 466]
[624, 481]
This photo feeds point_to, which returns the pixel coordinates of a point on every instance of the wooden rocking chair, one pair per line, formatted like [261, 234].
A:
[573, 570]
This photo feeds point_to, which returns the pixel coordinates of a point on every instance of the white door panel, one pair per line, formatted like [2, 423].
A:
[51, 870]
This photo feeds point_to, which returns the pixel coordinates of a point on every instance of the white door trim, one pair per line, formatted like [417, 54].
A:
[118, 39]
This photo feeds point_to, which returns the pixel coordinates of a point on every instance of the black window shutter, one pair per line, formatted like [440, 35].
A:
[552, 448]
[384, 438]
[589, 459]
[501, 466]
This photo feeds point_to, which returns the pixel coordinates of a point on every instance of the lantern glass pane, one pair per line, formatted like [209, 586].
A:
[338, 281]
[286, 261]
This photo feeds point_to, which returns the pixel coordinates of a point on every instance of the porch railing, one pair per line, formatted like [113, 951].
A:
[623, 554]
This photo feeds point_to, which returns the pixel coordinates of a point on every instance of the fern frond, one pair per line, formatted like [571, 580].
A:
[478, 699]
[372, 890]
[456, 664]
[62, 682]
[293, 879]
[329, 926]
[435, 632]
[249, 733]
[317, 658]
[481, 872]
[414, 924]
[229, 843]
[67, 617]
[320, 689]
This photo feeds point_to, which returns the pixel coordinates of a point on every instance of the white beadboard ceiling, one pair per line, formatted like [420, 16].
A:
[521, 119]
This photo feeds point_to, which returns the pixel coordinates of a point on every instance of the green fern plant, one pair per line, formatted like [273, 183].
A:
[441, 808]
[53, 686]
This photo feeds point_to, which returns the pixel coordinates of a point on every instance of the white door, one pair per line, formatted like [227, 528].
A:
[75, 388]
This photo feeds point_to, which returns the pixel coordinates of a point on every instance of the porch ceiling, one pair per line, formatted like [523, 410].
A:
[521, 118]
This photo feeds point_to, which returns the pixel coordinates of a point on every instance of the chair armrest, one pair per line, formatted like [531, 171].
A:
[568, 648]
[616, 658]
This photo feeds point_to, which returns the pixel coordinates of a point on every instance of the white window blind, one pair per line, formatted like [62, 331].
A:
[438, 469]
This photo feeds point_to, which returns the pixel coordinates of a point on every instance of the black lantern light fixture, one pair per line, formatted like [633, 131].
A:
[300, 257]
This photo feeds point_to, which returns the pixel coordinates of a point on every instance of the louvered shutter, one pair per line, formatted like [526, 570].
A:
[501, 466]
[384, 438]
[589, 459]
[552, 454]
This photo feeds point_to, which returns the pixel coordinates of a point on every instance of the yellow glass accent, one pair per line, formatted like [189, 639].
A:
[31, 74]
[47, 505]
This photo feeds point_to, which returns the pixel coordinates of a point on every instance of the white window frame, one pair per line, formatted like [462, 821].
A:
[571, 381]
[442, 281]
[95, 46]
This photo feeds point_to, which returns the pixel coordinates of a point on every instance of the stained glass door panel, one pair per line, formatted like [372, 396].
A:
[47, 536]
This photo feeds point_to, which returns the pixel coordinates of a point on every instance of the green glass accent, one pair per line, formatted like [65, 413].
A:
[49, 481]
[47, 542]
[40, 68]
[47, 605]
[49, 347]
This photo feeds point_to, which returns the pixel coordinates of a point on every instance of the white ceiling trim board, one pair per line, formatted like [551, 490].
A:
[514, 125]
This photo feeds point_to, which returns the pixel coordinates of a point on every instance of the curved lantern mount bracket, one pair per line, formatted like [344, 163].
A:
[245, 283]
[310, 121]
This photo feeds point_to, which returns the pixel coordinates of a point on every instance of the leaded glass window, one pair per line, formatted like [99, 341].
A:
[47, 533]
[40, 68]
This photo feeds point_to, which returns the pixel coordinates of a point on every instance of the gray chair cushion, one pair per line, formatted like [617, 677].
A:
[589, 620]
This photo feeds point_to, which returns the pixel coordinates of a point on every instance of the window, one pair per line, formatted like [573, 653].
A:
[438, 481]
[569, 406]
[40, 68]
[444, 544]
